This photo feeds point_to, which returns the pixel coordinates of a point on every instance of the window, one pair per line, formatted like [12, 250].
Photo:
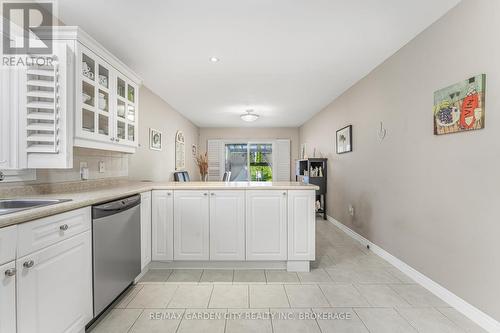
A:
[249, 161]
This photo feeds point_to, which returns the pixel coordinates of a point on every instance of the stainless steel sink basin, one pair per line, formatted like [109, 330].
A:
[8, 206]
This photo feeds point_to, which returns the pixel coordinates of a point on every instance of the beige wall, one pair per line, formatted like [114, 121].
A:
[291, 133]
[429, 200]
[147, 164]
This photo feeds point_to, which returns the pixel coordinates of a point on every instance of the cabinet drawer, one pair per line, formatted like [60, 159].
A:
[41, 233]
[8, 237]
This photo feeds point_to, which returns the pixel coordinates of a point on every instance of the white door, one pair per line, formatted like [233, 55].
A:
[227, 225]
[191, 225]
[145, 229]
[54, 287]
[162, 221]
[266, 237]
[301, 225]
[8, 297]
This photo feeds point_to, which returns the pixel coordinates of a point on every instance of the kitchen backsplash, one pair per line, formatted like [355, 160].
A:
[115, 165]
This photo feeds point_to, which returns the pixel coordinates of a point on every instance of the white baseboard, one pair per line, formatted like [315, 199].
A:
[468, 310]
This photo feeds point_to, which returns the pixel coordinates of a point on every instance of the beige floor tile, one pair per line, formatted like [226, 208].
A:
[126, 297]
[249, 276]
[156, 275]
[417, 295]
[294, 321]
[381, 295]
[323, 261]
[305, 296]
[314, 276]
[461, 321]
[185, 276]
[117, 321]
[153, 296]
[203, 321]
[229, 296]
[157, 321]
[280, 276]
[268, 296]
[217, 276]
[249, 321]
[191, 296]
[384, 320]
[402, 277]
[343, 295]
[339, 320]
[428, 320]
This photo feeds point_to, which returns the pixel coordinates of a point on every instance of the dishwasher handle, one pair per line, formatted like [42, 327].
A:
[115, 207]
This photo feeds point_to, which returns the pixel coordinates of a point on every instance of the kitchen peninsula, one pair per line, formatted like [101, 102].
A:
[204, 224]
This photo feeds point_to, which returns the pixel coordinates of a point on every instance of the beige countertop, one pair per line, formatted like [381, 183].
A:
[86, 197]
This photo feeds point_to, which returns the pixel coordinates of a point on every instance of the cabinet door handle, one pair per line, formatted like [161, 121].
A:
[205, 194]
[28, 264]
[64, 227]
[112, 139]
[117, 140]
[284, 193]
[212, 194]
[10, 272]
[169, 194]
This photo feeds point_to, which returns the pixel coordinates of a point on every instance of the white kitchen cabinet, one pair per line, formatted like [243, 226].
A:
[8, 297]
[8, 241]
[54, 287]
[162, 221]
[145, 229]
[266, 225]
[301, 225]
[191, 225]
[227, 225]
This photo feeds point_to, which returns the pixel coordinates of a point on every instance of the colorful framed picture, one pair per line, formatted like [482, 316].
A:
[344, 140]
[460, 107]
[155, 137]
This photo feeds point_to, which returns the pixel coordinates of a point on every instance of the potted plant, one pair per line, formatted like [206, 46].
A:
[202, 162]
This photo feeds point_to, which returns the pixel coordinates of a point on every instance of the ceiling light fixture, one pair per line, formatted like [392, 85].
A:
[214, 59]
[249, 116]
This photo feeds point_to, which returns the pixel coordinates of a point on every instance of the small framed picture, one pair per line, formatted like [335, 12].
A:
[344, 140]
[154, 139]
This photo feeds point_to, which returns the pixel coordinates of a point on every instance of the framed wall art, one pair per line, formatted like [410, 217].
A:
[344, 140]
[155, 139]
[180, 151]
[460, 107]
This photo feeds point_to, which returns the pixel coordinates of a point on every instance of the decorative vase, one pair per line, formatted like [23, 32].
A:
[204, 178]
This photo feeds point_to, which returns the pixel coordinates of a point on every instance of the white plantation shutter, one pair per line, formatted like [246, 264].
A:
[215, 153]
[282, 161]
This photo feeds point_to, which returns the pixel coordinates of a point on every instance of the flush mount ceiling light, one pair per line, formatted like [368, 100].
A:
[249, 116]
[214, 59]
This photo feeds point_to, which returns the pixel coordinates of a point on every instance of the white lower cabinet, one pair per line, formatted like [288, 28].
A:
[191, 225]
[301, 225]
[145, 229]
[227, 225]
[8, 297]
[162, 222]
[266, 225]
[54, 287]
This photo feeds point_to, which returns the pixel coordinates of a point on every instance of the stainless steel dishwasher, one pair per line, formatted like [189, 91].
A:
[116, 242]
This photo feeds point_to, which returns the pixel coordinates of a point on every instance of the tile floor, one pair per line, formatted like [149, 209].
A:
[349, 289]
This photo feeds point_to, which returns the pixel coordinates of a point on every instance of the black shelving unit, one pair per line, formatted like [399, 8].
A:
[305, 172]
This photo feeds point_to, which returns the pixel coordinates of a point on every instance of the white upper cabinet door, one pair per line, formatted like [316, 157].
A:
[301, 225]
[145, 229]
[227, 225]
[191, 218]
[266, 225]
[8, 297]
[126, 106]
[162, 221]
[54, 287]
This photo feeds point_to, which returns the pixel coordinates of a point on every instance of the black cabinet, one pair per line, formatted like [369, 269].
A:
[314, 171]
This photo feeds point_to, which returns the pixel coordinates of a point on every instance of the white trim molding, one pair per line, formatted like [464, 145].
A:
[482, 319]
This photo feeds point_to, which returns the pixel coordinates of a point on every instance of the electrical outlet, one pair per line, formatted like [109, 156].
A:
[351, 210]
[102, 167]
[84, 171]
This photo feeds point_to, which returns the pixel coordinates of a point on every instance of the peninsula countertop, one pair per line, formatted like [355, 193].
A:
[82, 198]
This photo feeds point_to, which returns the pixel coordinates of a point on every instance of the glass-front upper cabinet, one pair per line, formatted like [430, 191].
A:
[126, 108]
[94, 116]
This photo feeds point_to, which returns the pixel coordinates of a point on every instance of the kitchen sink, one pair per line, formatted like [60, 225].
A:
[8, 206]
